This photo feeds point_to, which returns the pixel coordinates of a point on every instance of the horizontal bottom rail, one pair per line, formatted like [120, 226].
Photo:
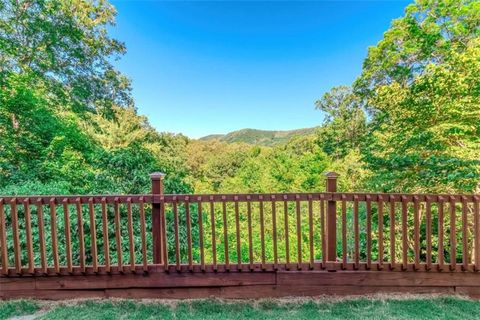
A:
[247, 268]
[239, 284]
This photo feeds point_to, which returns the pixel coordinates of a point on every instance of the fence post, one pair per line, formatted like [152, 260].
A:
[331, 186]
[157, 189]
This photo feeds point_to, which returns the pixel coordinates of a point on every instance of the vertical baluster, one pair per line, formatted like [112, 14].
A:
[453, 235]
[131, 241]
[93, 235]
[392, 232]
[428, 221]
[189, 233]
[68, 238]
[237, 231]
[310, 231]
[416, 231]
[200, 231]
[81, 236]
[177, 239]
[28, 231]
[287, 240]
[464, 234]
[299, 232]
[404, 233]
[369, 231]
[274, 223]
[118, 234]
[214, 241]
[163, 234]
[356, 226]
[262, 230]
[3, 238]
[16, 236]
[380, 231]
[322, 230]
[143, 233]
[106, 242]
[53, 227]
[476, 213]
[225, 233]
[441, 258]
[250, 240]
[344, 232]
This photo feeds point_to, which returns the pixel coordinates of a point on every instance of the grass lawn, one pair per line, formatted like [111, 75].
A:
[354, 308]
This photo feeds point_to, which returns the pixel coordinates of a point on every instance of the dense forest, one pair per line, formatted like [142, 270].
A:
[68, 123]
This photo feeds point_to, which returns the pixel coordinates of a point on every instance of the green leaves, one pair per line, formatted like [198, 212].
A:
[421, 84]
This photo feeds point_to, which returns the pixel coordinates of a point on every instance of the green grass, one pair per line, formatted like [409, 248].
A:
[423, 308]
[9, 309]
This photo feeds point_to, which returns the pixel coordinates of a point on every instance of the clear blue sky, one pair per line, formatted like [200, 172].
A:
[200, 68]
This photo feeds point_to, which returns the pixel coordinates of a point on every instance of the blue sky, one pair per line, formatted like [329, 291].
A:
[200, 68]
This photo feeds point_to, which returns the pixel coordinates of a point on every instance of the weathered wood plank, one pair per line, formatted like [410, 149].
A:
[378, 278]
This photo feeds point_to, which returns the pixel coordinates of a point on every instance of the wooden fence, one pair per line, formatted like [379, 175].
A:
[221, 240]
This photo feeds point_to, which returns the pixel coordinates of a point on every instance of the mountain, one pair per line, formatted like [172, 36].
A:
[259, 137]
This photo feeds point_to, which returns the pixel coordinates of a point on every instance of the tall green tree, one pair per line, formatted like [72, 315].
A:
[65, 44]
[344, 124]
[421, 85]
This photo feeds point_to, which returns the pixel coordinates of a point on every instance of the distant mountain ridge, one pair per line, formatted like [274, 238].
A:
[259, 137]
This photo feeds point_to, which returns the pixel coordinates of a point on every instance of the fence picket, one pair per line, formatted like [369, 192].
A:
[287, 240]
[189, 235]
[106, 242]
[28, 231]
[16, 236]
[131, 242]
[310, 233]
[68, 237]
[143, 233]
[53, 227]
[93, 235]
[453, 235]
[441, 258]
[392, 232]
[118, 234]
[380, 232]
[3, 239]
[428, 221]
[299, 232]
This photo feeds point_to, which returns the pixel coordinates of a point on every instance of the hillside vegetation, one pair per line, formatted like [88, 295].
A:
[260, 137]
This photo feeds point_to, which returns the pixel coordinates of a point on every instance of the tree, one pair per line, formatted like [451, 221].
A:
[420, 83]
[66, 45]
[345, 122]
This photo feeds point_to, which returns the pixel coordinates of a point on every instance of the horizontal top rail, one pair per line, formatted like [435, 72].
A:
[329, 196]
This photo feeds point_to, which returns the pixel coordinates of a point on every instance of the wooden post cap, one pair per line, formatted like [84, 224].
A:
[157, 175]
[331, 175]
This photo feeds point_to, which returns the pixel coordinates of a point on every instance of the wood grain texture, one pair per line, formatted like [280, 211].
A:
[239, 285]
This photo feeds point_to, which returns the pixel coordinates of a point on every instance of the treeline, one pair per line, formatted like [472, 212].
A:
[68, 123]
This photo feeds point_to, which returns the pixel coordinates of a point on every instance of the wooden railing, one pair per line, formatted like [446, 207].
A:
[51, 235]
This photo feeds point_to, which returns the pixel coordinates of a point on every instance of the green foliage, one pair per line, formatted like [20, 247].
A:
[65, 44]
[345, 122]
[259, 137]
[421, 85]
